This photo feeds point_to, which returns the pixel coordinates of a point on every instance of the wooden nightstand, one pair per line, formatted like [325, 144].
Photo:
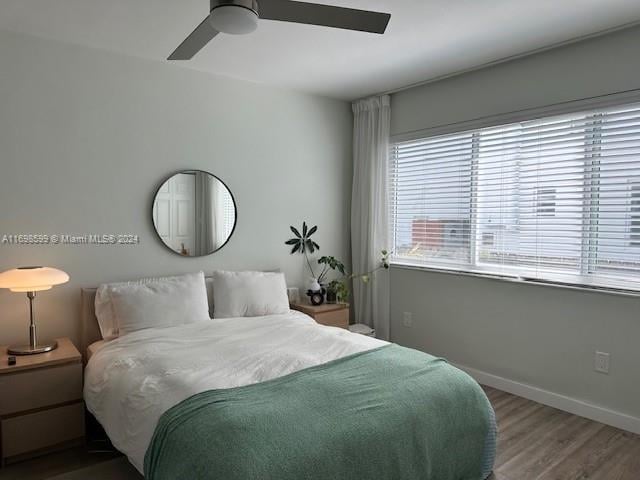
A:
[331, 314]
[41, 407]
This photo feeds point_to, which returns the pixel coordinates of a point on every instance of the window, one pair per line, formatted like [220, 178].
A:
[553, 199]
[546, 202]
[635, 214]
[228, 213]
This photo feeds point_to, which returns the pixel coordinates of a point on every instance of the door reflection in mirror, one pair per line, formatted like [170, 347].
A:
[194, 213]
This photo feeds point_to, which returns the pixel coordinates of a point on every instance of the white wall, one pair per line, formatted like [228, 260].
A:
[544, 337]
[87, 136]
[595, 67]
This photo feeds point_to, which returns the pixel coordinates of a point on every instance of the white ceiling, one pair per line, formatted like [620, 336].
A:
[425, 38]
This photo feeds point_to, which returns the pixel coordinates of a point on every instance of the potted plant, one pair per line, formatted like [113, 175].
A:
[330, 263]
[338, 289]
[303, 243]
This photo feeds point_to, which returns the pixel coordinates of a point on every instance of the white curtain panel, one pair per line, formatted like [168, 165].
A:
[369, 212]
[205, 211]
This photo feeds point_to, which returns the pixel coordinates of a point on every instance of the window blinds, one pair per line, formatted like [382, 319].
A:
[554, 199]
[228, 212]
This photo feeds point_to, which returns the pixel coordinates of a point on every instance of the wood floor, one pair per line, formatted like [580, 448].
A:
[535, 442]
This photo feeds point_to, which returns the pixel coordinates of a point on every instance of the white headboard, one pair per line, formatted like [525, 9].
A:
[89, 329]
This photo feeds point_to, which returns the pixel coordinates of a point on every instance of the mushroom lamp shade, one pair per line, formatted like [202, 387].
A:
[31, 280]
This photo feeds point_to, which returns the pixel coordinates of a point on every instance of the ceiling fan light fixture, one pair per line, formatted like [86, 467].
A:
[234, 19]
[239, 17]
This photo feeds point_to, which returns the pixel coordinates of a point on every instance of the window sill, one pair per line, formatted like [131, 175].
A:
[512, 279]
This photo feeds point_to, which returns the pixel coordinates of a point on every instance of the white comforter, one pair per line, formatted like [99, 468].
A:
[131, 381]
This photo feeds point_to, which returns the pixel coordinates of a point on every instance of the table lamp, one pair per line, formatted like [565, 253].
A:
[32, 280]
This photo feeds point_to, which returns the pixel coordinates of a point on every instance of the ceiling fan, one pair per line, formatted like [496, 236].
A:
[239, 17]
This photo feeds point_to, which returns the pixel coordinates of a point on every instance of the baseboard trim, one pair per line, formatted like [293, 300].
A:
[555, 400]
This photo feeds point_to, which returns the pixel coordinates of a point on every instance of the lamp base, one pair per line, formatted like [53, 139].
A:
[29, 350]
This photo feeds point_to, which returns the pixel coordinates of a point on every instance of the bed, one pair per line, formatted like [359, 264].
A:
[281, 397]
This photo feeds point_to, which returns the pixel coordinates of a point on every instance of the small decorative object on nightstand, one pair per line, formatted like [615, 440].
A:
[294, 294]
[316, 297]
[41, 407]
[333, 315]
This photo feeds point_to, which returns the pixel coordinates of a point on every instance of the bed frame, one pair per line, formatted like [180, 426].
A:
[89, 329]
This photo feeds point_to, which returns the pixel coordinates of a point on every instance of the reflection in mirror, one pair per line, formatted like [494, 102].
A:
[194, 213]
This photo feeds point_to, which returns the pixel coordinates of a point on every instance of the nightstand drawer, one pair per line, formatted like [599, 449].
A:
[26, 390]
[46, 428]
[336, 318]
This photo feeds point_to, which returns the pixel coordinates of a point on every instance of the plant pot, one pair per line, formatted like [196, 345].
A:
[314, 286]
[332, 296]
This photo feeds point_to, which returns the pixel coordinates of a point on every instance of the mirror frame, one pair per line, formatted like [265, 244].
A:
[153, 201]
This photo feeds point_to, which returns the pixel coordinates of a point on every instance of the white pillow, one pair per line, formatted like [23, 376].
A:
[104, 313]
[249, 294]
[125, 307]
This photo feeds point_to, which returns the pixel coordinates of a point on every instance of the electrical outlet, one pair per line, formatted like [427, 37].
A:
[601, 362]
[407, 319]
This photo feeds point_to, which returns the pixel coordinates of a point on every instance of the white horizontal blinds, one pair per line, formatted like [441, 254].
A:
[530, 196]
[556, 198]
[634, 229]
[617, 187]
[431, 206]
[228, 212]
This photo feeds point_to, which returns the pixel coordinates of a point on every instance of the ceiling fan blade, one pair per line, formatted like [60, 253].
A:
[195, 41]
[324, 15]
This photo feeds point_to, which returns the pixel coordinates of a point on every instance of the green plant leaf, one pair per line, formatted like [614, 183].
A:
[303, 243]
[310, 246]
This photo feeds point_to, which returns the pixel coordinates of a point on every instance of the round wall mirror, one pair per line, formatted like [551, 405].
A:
[194, 213]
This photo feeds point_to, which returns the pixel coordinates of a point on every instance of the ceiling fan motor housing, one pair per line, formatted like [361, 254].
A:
[237, 17]
[248, 4]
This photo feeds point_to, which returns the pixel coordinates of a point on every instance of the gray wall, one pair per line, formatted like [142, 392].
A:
[599, 66]
[86, 137]
[541, 336]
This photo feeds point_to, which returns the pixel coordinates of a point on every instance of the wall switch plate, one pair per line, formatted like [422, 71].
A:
[601, 362]
[407, 319]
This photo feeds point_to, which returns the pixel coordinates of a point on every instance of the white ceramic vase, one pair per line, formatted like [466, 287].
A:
[314, 286]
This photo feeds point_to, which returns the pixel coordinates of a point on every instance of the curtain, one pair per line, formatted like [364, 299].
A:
[219, 217]
[204, 241]
[369, 212]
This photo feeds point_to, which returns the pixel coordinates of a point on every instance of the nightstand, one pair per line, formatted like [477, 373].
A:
[41, 407]
[331, 314]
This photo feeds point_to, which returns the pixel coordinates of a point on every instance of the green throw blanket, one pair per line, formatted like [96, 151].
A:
[390, 413]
